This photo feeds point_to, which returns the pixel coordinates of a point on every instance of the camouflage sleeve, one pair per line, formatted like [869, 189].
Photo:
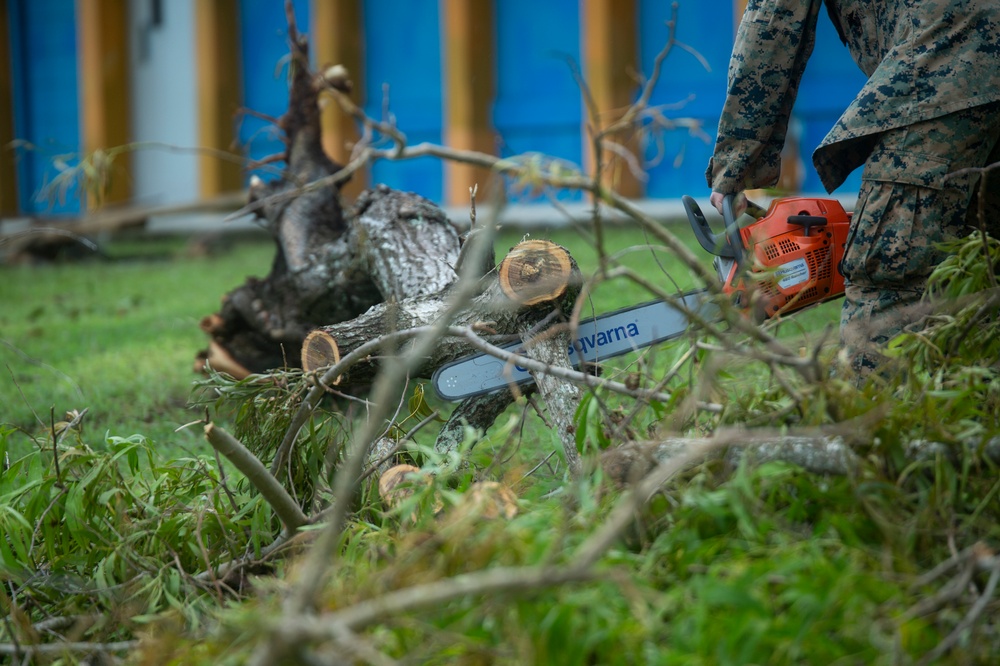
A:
[774, 41]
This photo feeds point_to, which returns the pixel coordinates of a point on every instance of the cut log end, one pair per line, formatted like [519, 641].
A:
[212, 324]
[491, 500]
[220, 360]
[535, 271]
[319, 350]
[388, 484]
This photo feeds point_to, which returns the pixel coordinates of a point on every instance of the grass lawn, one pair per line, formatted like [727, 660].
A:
[119, 336]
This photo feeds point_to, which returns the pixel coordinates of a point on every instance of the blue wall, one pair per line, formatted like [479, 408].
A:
[689, 87]
[264, 57]
[537, 106]
[538, 103]
[46, 107]
[403, 52]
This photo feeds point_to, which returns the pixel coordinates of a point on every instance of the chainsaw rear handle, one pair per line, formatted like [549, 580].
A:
[733, 231]
[730, 244]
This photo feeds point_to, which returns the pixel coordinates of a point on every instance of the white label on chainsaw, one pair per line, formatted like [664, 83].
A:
[791, 274]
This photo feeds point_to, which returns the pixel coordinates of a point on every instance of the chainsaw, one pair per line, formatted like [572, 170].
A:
[785, 260]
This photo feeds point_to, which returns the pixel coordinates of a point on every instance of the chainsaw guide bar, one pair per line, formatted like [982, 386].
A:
[597, 339]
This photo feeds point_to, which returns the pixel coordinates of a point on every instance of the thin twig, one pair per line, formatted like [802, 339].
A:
[624, 512]
[55, 445]
[536, 467]
[970, 619]
[74, 422]
[971, 554]
[376, 464]
[222, 482]
[57, 648]
[949, 592]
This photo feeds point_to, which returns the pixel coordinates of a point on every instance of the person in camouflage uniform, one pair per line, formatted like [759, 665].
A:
[930, 108]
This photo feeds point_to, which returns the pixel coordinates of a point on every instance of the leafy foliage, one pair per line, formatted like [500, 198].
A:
[111, 534]
[261, 409]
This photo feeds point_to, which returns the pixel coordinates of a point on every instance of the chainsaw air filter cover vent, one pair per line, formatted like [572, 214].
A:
[820, 265]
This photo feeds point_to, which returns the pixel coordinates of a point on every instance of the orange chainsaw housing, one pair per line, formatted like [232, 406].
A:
[793, 254]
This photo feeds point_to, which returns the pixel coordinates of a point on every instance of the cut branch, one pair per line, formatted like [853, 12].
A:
[536, 271]
[67, 646]
[816, 452]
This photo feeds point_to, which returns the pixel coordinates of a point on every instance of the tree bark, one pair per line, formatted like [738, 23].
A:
[489, 309]
[819, 454]
[498, 309]
[561, 397]
[409, 247]
[534, 281]
[477, 412]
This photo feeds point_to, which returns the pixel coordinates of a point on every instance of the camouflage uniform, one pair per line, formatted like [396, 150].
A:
[931, 107]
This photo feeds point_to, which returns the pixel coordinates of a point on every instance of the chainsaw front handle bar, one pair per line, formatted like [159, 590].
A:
[729, 244]
[710, 241]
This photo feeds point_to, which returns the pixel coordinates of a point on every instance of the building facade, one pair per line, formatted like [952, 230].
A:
[167, 79]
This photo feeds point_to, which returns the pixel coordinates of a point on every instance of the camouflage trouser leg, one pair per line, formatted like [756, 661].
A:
[907, 205]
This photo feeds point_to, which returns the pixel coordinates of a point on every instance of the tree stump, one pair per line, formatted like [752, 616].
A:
[332, 263]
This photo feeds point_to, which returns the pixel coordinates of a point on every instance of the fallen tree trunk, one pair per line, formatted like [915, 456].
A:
[343, 277]
[535, 278]
[819, 454]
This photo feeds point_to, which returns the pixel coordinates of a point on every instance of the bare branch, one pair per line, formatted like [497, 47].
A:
[624, 512]
[967, 622]
[497, 580]
[274, 494]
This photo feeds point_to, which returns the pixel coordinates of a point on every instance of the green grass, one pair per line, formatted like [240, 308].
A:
[118, 337]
